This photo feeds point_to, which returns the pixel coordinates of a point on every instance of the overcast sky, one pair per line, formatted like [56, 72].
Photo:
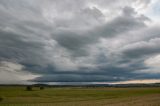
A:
[79, 40]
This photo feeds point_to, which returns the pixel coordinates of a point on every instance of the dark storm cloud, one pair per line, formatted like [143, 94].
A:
[143, 48]
[126, 22]
[78, 40]
[18, 48]
[99, 40]
[77, 78]
[103, 74]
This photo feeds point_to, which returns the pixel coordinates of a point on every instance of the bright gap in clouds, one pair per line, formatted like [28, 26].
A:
[13, 73]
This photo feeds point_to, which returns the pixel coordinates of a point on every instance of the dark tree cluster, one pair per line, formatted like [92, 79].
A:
[41, 88]
[1, 99]
[29, 88]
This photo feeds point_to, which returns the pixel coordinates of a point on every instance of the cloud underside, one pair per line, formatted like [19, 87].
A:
[78, 41]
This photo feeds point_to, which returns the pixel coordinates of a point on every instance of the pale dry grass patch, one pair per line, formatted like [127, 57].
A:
[149, 100]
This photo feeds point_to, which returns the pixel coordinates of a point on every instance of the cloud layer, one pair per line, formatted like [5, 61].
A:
[78, 41]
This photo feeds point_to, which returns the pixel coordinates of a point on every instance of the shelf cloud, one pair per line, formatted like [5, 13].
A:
[79, 41]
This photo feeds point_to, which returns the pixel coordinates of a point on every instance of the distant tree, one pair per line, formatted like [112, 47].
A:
[29, 88]
[41, 88]
[1, 99]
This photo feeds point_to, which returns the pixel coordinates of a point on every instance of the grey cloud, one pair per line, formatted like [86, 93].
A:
[18, 48]
[79, 19]
[13, 73]
[103, 74]
[128, 21]
[142, 48]
[72, 40]
[77, 78]
[77, 40]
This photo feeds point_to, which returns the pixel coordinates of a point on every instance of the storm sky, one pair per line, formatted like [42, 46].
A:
[79, 40]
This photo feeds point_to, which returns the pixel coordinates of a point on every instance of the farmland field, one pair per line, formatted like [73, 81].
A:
[74, 96]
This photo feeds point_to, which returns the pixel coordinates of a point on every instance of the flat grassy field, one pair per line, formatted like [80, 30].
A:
[18, 96]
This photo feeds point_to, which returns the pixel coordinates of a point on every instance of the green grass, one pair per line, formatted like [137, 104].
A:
[18, 95]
